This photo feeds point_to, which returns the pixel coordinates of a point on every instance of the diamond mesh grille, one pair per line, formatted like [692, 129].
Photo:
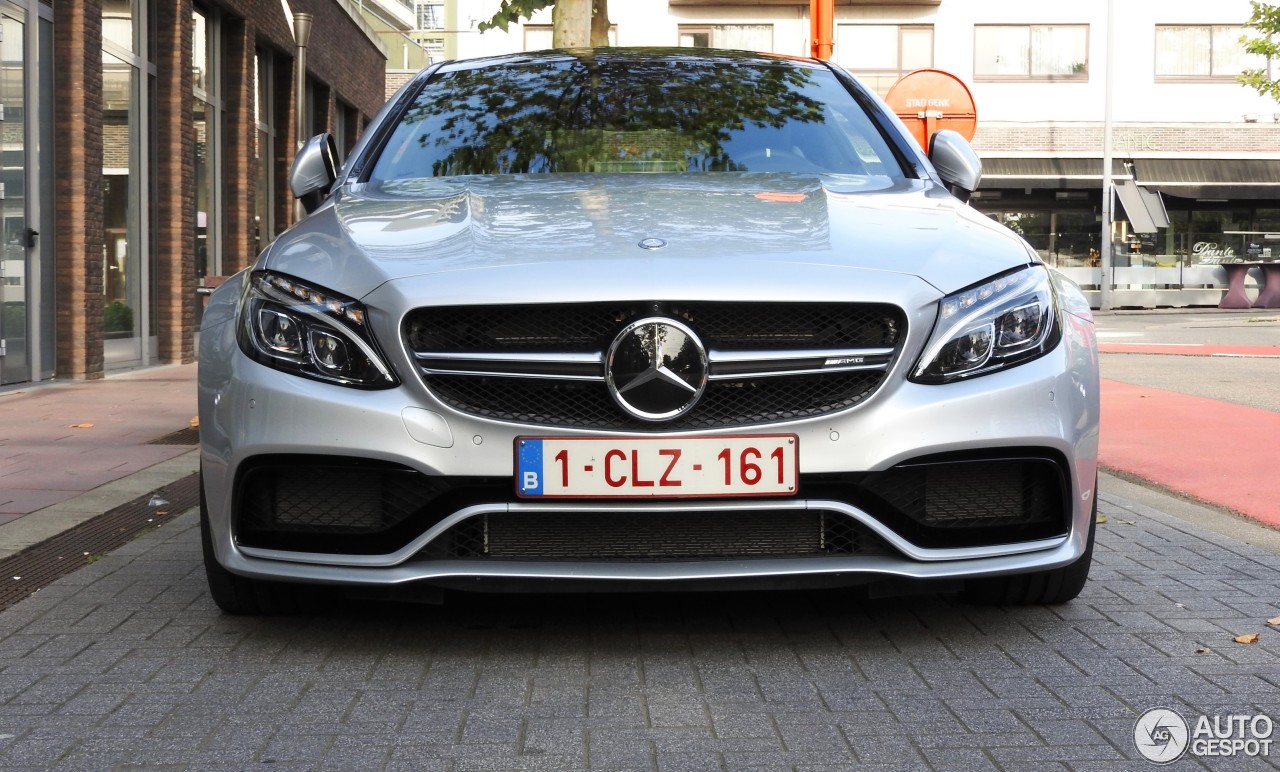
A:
[658, 536]
[302, 498]
[589, 406]
[314, 504]
[968, 503]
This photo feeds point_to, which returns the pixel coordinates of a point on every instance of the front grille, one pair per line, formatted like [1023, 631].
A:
[588, 405]
[658, 536]
[588, 329]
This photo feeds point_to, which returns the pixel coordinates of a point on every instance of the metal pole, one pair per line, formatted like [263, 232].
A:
[1106, 260]
[301, 36]
[822, 15]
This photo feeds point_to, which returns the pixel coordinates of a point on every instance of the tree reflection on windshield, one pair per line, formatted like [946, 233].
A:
[600, 112]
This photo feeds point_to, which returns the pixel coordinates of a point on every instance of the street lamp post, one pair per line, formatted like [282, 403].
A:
[301, 36]
[1105, 259]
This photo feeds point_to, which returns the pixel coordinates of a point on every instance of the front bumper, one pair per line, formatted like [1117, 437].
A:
[1046, 409]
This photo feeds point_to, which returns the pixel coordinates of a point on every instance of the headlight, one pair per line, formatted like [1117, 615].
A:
[309, 331]
[1004, 322]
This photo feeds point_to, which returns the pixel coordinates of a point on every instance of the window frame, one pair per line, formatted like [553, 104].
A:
[420, 14]
[549, 28]
[1029, 76]
[865, 75]
[1212, 77]
[710, 30]
[264, 106]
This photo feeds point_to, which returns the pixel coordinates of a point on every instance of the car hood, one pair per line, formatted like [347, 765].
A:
[648, 228]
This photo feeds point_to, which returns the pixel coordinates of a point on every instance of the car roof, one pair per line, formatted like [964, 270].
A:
[633, 55]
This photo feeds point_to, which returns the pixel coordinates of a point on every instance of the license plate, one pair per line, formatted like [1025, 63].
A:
[640, 467]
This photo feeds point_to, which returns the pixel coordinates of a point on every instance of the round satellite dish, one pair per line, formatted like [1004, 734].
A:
[929, 100]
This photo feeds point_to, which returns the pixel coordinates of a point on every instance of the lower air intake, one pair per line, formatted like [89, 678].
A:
[639, 537]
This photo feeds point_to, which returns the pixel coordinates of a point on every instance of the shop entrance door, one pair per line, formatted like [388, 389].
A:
[18, 237]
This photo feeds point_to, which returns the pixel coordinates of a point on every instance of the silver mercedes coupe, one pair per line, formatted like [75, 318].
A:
[644, 319]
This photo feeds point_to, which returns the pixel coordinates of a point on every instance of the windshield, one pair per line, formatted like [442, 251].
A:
[602, 114]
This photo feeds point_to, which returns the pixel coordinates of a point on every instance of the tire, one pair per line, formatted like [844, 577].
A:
[1040, 587]
[239, 595]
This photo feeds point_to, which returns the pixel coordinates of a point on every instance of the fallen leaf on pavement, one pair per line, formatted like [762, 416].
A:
[1203, 650]
[81, 426]
[1274, 621]
[195, 421]
[1101, 519]
[1250, 638]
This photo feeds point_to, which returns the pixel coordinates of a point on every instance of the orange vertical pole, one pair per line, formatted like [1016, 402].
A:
[822, 14]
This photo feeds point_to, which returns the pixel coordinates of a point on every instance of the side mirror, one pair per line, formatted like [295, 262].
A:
[957, 164]
[314, 169]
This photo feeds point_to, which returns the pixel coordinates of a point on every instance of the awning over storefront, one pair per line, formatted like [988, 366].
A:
[1054, 173]
[1143, 207]
[1210, 178]
[1233, 178]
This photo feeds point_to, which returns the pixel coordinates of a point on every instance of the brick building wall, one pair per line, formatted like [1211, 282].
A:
[173, 161]
[343, 58]
[239, 175]
[77, 43]
[344, 63]
[1129, 138]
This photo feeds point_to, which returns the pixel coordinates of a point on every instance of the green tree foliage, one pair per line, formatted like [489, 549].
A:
[575, 23]
[1266, 20]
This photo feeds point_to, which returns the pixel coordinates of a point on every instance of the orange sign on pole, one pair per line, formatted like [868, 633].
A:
[822, 14]
[929, 100]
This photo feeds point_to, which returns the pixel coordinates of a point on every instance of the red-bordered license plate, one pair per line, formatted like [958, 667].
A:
[639, 467]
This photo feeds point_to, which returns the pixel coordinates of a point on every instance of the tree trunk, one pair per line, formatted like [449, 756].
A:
[571, 20]
[600, 24]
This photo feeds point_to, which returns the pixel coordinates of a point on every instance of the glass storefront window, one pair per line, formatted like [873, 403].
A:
[206, 118]
[117, 24]
[200, 64]
[121, 197]
[1211, 239]
[1062, 238]
[264, 142]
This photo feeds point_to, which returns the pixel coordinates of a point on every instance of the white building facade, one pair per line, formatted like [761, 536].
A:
[1051, 81]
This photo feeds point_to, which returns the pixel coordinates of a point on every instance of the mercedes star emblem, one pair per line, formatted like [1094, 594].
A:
[656, 369]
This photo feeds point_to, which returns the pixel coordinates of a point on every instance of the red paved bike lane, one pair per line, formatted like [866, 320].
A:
[1191, 350]
[1218, 452]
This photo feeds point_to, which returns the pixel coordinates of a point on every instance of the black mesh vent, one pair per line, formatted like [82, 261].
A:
[341, 506]
[558, 328]
[765, 326]
[958, 503]
[321, 504]
[590, 328]
[657, 536]
[589, 406]
[967, 496]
